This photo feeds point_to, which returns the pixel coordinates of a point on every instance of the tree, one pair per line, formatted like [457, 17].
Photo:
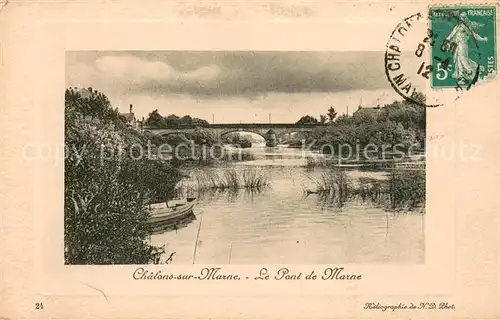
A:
[106, 190]
[307, 120]
[95, 105]
[172, 120]
[418, 97]
[248, 137]
[235, 138]
[176, 139]
[343, 119]
[104, 215]
[186, 120]
[231, 138]
[364, 117]
[199, 122]
[332, 114]
[204, 136]
[322, 119]
[409, 114]
[155, 120]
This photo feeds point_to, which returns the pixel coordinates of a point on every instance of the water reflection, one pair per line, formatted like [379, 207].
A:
[284, 224]
[228, 195]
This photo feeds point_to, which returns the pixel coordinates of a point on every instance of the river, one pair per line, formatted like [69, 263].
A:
[280, 224]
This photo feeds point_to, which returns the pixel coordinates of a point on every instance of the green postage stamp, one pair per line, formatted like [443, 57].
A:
[464, 52]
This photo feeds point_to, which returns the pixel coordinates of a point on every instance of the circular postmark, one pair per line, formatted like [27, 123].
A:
[430, 61]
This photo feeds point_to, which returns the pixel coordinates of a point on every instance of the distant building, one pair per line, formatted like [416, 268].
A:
[130, 119]
[372, 111]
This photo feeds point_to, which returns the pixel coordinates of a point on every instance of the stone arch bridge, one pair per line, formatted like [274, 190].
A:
[269, 131]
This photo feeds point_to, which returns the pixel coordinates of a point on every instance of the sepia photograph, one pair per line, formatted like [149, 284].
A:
[241, 157]
[249, 160]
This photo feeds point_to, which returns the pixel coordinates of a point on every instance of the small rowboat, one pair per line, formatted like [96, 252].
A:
[170, 215]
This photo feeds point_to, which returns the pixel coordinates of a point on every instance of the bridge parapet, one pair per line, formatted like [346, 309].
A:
[265, 130]
[240, 125]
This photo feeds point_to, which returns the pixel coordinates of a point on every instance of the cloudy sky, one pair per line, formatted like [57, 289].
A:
[233, 86]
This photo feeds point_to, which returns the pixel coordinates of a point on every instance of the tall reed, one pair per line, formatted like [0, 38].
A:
[407, 189]
[230, 179]
[334, 185]
[403, 190]
[253, 179]
[312, 162]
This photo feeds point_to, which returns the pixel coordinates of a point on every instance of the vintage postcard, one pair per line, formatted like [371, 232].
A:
[206, 160]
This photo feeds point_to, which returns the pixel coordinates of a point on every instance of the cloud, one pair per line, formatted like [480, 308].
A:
[135, 72]
[207, 73]
[217, 75]
[134, 68]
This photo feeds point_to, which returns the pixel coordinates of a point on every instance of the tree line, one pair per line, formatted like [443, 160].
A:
[400, 122]
[329, 117]
[156, 120]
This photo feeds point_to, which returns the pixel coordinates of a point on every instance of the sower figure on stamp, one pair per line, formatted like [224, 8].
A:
[465, 68]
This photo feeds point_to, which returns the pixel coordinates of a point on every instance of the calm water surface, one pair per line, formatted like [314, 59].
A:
[282, 225]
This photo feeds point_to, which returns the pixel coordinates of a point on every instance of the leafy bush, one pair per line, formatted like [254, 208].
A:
[398, 123]
[106, 189]
[204, 136]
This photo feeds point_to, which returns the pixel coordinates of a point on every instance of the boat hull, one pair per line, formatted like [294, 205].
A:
[166, 219]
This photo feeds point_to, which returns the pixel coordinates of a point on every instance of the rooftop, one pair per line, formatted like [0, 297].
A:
[128, 116]
[368, 110]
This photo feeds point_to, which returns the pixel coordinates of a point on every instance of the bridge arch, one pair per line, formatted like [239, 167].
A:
[257, 132]
[220, 130]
